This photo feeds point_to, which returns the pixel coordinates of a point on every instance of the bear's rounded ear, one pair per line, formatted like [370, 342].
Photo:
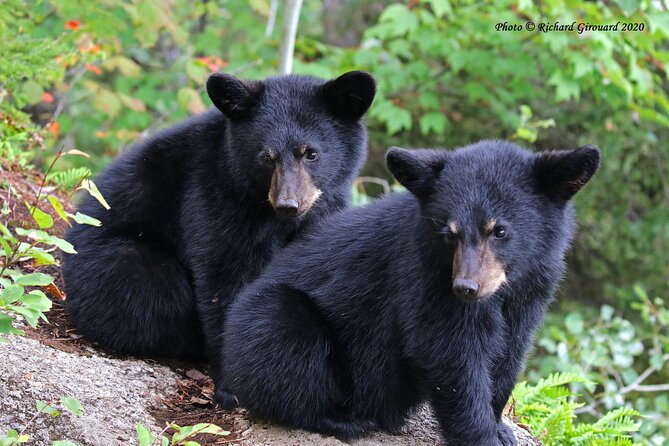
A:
[560, 174]
[417, 170]
[350, 95]
[235, 98]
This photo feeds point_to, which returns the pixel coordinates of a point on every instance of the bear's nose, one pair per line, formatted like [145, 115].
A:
[287, 207]
[465, 289]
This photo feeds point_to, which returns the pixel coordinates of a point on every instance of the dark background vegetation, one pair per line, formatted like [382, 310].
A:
[96, 76]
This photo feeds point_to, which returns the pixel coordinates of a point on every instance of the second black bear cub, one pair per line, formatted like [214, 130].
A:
[429, 295]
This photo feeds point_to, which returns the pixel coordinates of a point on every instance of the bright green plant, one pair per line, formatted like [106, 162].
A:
[549, 408]
[183, 435]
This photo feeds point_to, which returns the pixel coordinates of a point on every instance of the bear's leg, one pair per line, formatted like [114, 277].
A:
[280, 361]
[133, 297]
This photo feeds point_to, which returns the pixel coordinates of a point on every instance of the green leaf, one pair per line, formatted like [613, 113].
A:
[395, 118]
[36, 300]
[63, 443]
[58, 207]
[144, 436]
[41, 257]
[32, 91]
[92, 189]
[6, 323]
[440, 7]
[31, 316]
[127, 67]
[84, 219]
[574, 323]
[11, 293]
[7, 250]
[260, 6]
[209, 428]
[565, 88]
[107, 102]
[433, 122]
[47, 408]
[44, 220]
[190, 100]
[44, 237]
[133, 104]
[400, 18]
[7, 234]
[659, 21]
[606, 313]
[73, 405]
[628, 7]
[33, 279]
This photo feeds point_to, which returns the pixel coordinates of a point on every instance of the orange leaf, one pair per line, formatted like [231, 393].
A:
[72, 24]
[47, 97]
[94, 68]
[53, 127]
[53, 289]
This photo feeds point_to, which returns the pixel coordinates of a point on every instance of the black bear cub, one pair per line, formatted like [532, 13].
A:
[199, 209]
[432, 295]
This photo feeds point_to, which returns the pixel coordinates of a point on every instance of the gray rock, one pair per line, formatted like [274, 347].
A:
[116, 393]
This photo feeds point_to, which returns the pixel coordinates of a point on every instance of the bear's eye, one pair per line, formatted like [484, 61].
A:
[268, 158]
[311, 155]
[449, 235]
[499, 231]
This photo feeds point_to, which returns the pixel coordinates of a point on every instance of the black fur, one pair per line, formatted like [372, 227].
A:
[353, 325]
[190, 222]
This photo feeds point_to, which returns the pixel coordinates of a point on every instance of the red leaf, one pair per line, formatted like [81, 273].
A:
[74, 25]
[53, 127]
[47, 97]
[94, 68]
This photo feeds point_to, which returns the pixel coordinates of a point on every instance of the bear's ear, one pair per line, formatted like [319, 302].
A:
[350, 95]
[561, 174]
[235, 98]
[417, 170]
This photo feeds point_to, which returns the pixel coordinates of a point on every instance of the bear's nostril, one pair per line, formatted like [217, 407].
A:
[287, 207]
[465, 288]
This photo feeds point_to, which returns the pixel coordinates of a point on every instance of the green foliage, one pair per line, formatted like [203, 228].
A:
[624, 360]
[70, 178]
[183, 435]
[447, 77]
[52, 408]
[549, 408]
[22, 244]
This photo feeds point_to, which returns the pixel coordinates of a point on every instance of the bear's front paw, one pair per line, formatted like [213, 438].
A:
[226, 399]
[505, 434]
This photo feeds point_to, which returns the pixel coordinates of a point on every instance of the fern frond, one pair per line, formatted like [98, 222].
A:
[70, 177]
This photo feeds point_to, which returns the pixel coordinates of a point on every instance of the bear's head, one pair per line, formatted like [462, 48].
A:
[495, 211]
[293, 138]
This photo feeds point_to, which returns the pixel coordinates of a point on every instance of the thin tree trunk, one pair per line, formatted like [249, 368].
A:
[291, 17]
